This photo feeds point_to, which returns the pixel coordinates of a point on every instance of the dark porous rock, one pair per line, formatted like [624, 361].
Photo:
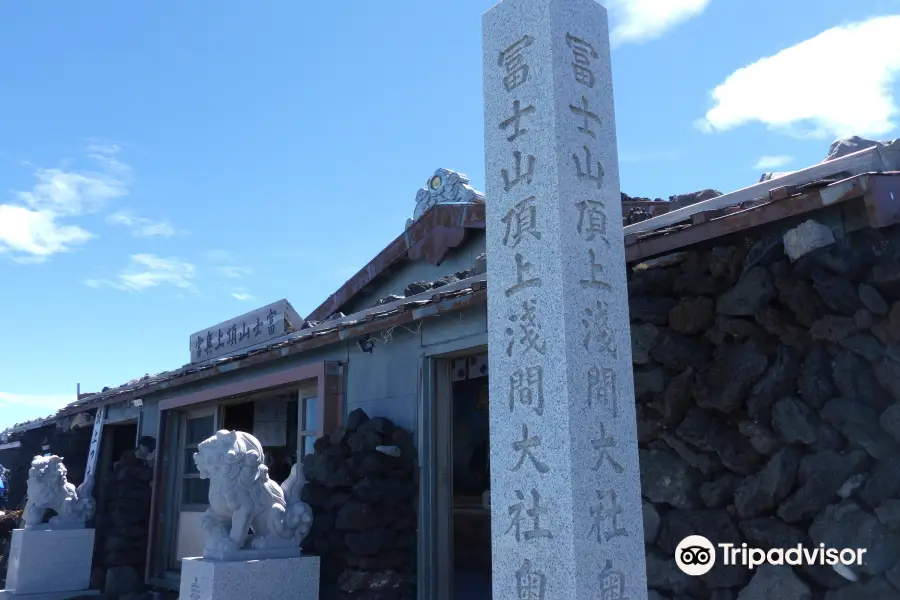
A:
[872, 299]
[837, 293]
[643, 340]
[445, 280]
[795, 421]
[121, 580]
[855, 378]
[358, 516]
[417, 287]
[692, 315]
[876, 588]
[650, 309]
[769, 532]
[820, 477]
[724, 385]
[859, 424]
[828, 438]
[775, 581]
[653, 280]
[815, 384]
[714, 525]
[369, 542]
[777, 323]
[883, 483]
[648, 381]
[779, 380]
[674, 403]
[704, 462]
[695, 283]
[651, 522]
[888, 513]
[848, 525]
[663, 574]
[677, 352]
[798, 296]
[701, 430]
[751, 293]
[667, 479]
[863, 319]
[833, 328]
[880, 330]
[890, 421]
[763, 491]
[893, 322]
[355, 419]
[887, 373]
[388, 299]
[766, 251]
[719, 492]
[866, 346]
[649, 423]
[726, 262]
[760, 437]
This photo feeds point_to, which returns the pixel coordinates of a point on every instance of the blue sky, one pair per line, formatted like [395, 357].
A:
[167, 165]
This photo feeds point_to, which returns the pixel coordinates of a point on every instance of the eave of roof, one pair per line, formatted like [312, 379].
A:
[440, 229]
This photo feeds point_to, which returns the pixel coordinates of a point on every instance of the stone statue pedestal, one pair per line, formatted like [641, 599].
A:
[49, 564]
[295, 577]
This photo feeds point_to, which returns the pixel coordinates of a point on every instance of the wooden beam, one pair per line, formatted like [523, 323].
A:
[864, 161]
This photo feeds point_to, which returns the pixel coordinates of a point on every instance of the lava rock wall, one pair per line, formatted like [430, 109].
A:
[768, 402]
[361, 487]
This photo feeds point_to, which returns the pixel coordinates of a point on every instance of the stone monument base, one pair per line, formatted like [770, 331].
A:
[49, 564]
[263, 579]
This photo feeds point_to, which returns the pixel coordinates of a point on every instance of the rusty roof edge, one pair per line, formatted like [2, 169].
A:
[323, 333]
[406, 240]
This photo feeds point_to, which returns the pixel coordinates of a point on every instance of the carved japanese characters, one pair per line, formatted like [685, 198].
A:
[48, 488]
[247, 510]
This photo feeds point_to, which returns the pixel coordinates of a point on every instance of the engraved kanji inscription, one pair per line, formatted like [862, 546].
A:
[596, 268]
[583, 112]
[510, 183]
[270, 319]
[520, 514]
[209, 340]
[612, 583]
[531, 584]
[524, 448]
[257, 329]
[582, 53]
[521, 220]
[245, 332]
[522, 280]
[513, 61]
[198, 343]
[195, 589]
[232, 335]
[529, 336]
[220, 343]
[515, 119]
[526, 387]
[604, 445]
[602, 390]
[605, 515]
[588, 173]
[597, 329]
[592, 220]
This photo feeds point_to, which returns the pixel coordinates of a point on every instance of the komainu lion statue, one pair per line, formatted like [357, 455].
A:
[243, 498]
[48, 489]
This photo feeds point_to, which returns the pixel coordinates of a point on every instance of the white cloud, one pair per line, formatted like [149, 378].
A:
[643, 20]
[33, 226]
[241, 295]
[773, 162]
[233, 272]
[838, 83]
[147, 271]
[140, 226]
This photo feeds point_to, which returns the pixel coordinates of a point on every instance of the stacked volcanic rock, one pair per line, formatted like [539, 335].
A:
[768, 403]
[122, 525]
[360, 485]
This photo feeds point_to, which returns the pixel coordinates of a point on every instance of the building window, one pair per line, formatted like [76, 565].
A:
[309, 425]
[195, 491]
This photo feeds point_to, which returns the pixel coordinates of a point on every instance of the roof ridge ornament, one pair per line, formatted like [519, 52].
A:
[444, 187]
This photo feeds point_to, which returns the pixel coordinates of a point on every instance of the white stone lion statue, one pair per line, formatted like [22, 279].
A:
[48, 489]
[242, 499]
